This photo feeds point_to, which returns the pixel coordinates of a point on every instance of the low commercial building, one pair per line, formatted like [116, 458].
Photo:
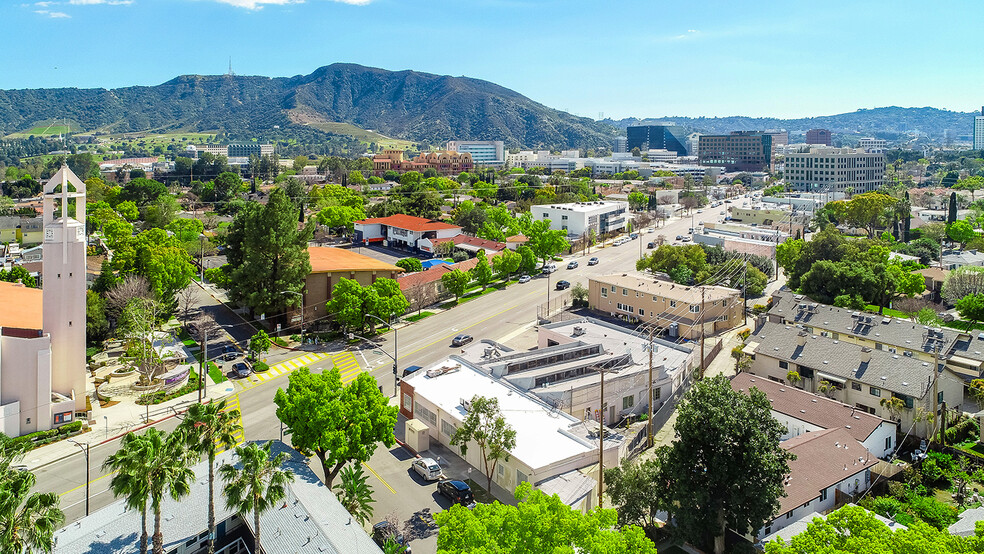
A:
[549, 442]
[579, 218]
[830, 469]
[330, 265]
[444, 162]
[962, 352]
[731, 243]
[682, 311]
[855, 375]
[873, 145]
[802, 412]
[403, 231]
[310, 519]
[489, 153]
[789, 221]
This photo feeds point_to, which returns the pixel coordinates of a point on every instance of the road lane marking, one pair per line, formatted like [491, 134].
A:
[91, 481]
[387, 485]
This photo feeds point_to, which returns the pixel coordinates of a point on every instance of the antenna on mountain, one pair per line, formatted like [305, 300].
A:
[230, 66]
[601, 115]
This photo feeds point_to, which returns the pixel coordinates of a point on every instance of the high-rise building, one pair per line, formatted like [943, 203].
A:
[780, 137]
[828, 169]
[818, 136]
[653, 137]
[620, 145]
[979, 131]
[483, 152]
[739, 151]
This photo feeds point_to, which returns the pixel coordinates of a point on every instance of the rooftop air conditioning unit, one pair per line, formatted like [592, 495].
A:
[466, 404]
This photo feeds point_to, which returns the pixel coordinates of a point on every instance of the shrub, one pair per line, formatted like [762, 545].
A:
[932, 511]
[745, 333]
[962, 431]
[459, 255]
[71, 427]
[759, 308]
[260, 367]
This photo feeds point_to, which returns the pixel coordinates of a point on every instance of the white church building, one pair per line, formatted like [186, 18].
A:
[42, 332]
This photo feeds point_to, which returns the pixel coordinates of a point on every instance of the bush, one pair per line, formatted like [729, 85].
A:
[70, 427]
[962, 431]
[459, 255]
[759, 308]
[745, 333]
[260, 367]
[932, 511]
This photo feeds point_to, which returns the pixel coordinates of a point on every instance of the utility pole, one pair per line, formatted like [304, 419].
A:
[649, 422]
[601, 441]
[935, 404]
[744, 293]
[702, 368]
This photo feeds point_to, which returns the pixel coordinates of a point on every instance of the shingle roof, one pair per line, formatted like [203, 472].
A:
[326, 259]
[408, 222]
[811, 408]
[649, 285]
[311, 519]
[422, 277]
[964, 526]
[823, 459]
[893, 372]
[887, 330]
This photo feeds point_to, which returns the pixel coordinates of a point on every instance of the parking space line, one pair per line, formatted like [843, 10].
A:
[387, 485]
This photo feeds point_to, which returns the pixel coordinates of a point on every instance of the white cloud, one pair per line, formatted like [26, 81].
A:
[258, 4]
[42, 4]
[53, 15]
[94, 2]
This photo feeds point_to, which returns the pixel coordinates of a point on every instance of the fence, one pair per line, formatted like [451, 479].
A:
[559, 302]
[662, 415]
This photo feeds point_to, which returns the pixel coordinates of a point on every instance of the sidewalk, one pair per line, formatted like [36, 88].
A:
[117, 420]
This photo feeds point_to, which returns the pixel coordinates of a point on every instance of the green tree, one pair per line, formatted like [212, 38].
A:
[482, 272]
[390, 301]
[667, 257]
[260, 343]
[357, 178]
[722, 434]
[455, 282]
[354, 493]
[142, 192]
[162, 259]
[338, 424]
[896, 282]
[488, 429]
[207, 428]
[27, 521]
[971, 307]
[258, 485]
[268, 254]
[630, 487]
[131, 468]
[962, 281]
[527, 262]
[340, 217]
[538, 524]
[960, 232]
[483, 190]
[868, 211]
[410, 265]
[545, 242]
[506, 263]
[96, 324]
[128, 211]
[350, 302]
[18, 274]
[637, 200]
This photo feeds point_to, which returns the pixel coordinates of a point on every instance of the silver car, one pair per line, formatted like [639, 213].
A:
[427, 468]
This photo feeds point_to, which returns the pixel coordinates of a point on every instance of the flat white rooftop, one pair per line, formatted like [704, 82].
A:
[543, 435]
[583, 206]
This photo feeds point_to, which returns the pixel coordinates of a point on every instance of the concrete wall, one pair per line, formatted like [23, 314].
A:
[25, 378]
[64, 311]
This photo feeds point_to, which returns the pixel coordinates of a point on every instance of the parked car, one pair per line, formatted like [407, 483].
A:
[651, 245]
[386, 530]
[593, 261]
[456, 491]
[410, 370]
[229, 353]
[634, 236]
[427, 468]
[561, 285]
[572, 265]
[679, 237]
[524, 279]
[241, 370]
[461, 340]
[686, 239]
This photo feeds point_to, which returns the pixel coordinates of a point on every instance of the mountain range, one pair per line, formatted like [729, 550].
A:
[409, 105]
[353, 100]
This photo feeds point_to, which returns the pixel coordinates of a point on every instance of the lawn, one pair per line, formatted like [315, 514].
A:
[418, 317]
[888, 312]
[215, 373]
[962, 325]
[48, 128]
[470, 296]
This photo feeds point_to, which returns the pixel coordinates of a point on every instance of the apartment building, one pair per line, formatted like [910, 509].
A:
[681, 310]
[961, 352]
[827, 169]
[979, 131]
[579, 218]
[873, 145]
[739, 151]
[818, 136]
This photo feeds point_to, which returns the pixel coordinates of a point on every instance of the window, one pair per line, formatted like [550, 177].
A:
[427, 414]
[673, 303]
[625, 292]
[888, 442]
[627, 402]
[855, 386]
[789, 514]
[695, 308]
[501, 470]
[63, 417]
[408, 402]
[642, 312]
[874, 391]
[447, 428]
[939, 398]
[783, 365]
[823, 495]
[604, 293]
[656, 393]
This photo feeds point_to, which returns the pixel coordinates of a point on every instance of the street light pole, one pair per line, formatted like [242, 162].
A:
[396, 350]
[201, 257]
[85, 452]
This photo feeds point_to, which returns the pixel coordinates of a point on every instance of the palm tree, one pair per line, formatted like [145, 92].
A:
[209, 428]
[27, 521]
[163, 462]
[132, 463]
[258, 485]
[354, 493]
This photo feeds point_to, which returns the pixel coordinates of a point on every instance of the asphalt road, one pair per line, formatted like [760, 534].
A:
[502, 315]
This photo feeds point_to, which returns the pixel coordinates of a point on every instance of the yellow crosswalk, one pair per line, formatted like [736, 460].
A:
[283, 368]
[348, 366]
[232, 403]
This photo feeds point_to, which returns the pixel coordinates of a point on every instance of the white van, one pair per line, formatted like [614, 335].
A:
[550, 268]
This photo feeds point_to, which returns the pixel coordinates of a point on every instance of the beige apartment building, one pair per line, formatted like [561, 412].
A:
[330, 265]
[679, 309]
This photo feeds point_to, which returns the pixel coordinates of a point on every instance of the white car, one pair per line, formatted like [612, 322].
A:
[427, 468]
[524, 279]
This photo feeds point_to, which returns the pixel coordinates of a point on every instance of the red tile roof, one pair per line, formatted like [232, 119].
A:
[823, 459]
[422, 277]
[408, 222]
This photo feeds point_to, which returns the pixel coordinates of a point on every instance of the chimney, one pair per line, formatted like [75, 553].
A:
[865, 355]
[801, 338]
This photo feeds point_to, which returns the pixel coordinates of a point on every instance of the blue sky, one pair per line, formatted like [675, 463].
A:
[645, 58]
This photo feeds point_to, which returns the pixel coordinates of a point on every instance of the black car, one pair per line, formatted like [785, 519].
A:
[242, 370]
[461, 340]
[456, 491]
[229, 353]
[386, 530]
[593, 261]
[561, 285]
